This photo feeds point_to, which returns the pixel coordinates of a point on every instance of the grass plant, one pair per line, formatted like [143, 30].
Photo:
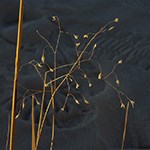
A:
[53, 86]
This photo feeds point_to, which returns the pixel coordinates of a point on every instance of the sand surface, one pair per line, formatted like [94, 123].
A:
[99, 125]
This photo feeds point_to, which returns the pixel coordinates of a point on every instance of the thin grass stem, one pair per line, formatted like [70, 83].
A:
[33, 125]
[125, 126]
[8, 133]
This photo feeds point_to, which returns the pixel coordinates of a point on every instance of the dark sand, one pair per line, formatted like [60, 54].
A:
[98, 126]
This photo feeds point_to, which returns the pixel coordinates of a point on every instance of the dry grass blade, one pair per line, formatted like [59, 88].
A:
[8, 132]
[14, 97]
[33, 125]
[125, 126]
[53, 125]
[41, 110]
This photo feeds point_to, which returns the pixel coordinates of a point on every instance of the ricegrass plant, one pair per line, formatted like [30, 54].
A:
[53, 86]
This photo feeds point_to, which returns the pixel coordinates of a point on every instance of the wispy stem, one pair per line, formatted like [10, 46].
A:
[125, 126]
[8, 132]
[33, 125]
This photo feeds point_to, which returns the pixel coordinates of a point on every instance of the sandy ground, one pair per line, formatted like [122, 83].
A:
[99, 125]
